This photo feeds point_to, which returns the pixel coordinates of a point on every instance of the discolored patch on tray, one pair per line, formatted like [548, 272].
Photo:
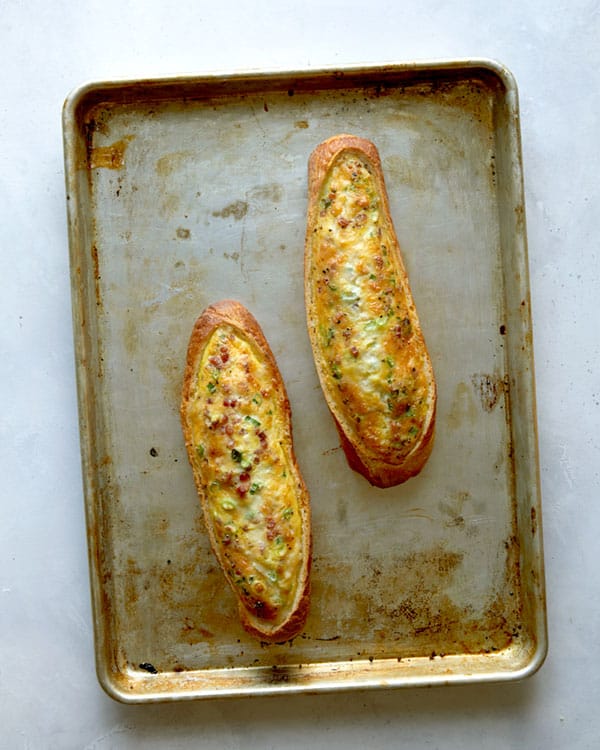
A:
[238, 209]
[272, 192]
[406, 602]
[463, 407]
[489, 388]
[110, 157]
[172, 162]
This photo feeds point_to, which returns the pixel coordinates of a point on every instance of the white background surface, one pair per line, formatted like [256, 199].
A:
[49, 696]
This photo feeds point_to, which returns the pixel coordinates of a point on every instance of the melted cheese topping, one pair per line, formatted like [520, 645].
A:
[372, 355]
[239, 431]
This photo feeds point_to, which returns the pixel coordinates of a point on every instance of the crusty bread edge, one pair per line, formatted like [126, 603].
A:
[235, 314]
[378, 472]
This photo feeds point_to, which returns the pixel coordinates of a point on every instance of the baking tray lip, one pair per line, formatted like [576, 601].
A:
[326, 685]
[98, 92]
[78, 94]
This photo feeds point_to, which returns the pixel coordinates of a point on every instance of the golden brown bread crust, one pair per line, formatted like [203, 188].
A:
[235, 315]
[383, 468]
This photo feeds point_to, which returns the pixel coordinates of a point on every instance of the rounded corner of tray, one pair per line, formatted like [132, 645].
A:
[501, 72]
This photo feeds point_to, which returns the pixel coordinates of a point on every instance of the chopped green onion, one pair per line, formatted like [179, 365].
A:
[375, 323]
[252, 420]
[254, 488]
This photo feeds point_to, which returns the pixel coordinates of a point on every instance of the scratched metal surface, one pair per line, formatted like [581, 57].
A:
[185, 191]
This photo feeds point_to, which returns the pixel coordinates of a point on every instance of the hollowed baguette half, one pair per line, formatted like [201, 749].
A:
[236, 421]
[369, 350]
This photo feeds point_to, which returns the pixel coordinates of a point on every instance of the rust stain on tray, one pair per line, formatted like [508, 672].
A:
[405, 603]
[489, 388]
[110, 157]
[237, 209]
[171, 162]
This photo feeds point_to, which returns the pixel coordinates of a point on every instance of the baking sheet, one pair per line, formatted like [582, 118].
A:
[184, 191]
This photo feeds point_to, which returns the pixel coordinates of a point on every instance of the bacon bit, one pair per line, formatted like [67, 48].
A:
[272, 530]
[242, 489]
[224, 353]
[360, 219]
[354, 351]
[378, 260]
[343, 222]
[404, 329]
[230, 402]
[216, 362]
[362, 201]
[244, 476]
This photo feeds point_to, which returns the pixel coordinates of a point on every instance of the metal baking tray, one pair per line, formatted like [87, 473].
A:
[184, 191]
